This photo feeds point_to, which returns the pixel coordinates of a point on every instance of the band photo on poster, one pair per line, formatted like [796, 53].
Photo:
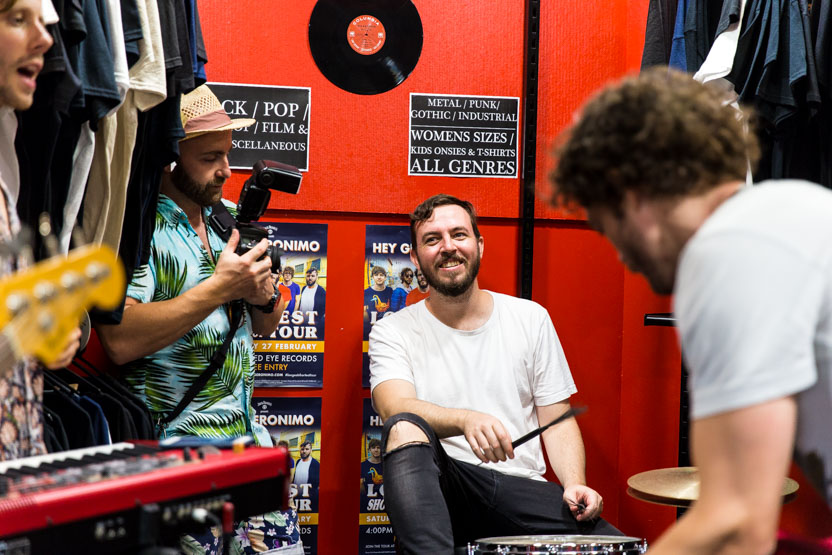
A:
[390, 279]
[376, 533]
[293, 356]
[295, 423]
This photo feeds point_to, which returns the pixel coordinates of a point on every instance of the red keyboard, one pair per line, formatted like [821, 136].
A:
[125, 496]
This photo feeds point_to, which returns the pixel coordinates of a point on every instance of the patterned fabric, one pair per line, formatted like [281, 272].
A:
[269, 533]
[177, 263]
[21, 386]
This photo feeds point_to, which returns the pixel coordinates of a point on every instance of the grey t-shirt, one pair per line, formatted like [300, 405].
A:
[753, 301]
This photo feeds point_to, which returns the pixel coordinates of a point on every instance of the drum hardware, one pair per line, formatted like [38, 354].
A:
[561, 545]
[679, 487]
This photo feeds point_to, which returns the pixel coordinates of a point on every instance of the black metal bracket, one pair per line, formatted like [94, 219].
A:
[529, 147]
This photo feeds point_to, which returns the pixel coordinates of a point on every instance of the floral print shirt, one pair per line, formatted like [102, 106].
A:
[21, 383]
[178, 262]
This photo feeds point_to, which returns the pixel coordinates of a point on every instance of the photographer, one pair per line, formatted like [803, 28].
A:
[180, 308]
[179, 305]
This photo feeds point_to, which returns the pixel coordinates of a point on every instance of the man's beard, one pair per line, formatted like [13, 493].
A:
[453, 289]
[202, 194]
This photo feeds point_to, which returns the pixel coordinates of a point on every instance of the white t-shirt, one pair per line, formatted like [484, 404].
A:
[302, 471]
[505, 368]
[307, 299]
[753, 302]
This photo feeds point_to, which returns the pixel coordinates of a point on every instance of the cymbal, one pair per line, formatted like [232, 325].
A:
[679, 486]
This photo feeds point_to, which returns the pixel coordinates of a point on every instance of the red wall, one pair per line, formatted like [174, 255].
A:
[626, 374]
[358, 165]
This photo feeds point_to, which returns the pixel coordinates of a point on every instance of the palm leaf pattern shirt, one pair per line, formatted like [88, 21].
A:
[178, 261]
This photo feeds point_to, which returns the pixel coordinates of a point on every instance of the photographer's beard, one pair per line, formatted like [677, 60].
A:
[204, 194]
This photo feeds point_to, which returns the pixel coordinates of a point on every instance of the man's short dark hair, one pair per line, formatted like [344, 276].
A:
[378, 270]
[307, 442]
[289, 269]
[373, 443]
[283, 443]
[404, 271]
[310, 270]
[424, 211]
[660, 133]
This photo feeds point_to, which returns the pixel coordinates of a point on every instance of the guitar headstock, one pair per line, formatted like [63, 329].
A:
[41, 305]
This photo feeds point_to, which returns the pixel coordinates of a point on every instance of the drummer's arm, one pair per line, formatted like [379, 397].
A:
[486, 435]
[743, 457]
[564, 445]
[565, 449]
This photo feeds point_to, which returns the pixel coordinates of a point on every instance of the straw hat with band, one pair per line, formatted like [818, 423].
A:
[202, 113]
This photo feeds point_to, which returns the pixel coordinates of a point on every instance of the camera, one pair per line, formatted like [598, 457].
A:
[266, 175]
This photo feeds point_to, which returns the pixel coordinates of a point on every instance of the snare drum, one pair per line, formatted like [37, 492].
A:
[563, 545]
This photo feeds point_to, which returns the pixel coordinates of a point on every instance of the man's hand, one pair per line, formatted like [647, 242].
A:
[585, 503]
[487, 437]
[73, 343]
[244, 276]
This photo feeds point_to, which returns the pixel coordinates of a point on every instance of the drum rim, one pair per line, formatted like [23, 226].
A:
[563, 539]
[621, 545]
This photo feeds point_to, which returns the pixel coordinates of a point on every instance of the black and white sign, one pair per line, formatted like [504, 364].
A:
[463, 136]
[281, 132]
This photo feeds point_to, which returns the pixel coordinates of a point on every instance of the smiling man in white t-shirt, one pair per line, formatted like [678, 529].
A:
[456, 377]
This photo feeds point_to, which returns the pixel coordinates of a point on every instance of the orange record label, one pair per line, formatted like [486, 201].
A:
[366, 35]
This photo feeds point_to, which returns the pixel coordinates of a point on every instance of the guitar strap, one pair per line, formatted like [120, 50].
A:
[222, 223]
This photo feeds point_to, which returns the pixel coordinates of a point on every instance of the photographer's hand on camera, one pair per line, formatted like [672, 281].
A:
[249, 277]
[147, 327]
[244, 276]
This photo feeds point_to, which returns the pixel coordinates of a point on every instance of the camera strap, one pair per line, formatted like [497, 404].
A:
[221, 221]
[216, 361]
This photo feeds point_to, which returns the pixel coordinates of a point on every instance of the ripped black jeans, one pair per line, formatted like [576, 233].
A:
[435, 502]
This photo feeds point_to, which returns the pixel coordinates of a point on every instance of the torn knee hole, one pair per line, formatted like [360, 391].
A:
[405, 433]
[406, 445]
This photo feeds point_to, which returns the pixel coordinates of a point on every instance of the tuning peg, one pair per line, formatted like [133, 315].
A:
[46, 322]
[96, 272]
[71, 281]
[44, 291]
[16, 303]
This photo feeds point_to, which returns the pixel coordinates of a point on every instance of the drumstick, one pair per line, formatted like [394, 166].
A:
[573, 411]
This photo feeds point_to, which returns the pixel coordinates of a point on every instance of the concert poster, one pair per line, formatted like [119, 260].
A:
[297, 422]
[293, 356]
[376, 534]
[389, 276]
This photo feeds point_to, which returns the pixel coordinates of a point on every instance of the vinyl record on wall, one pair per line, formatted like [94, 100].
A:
[365, 46]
